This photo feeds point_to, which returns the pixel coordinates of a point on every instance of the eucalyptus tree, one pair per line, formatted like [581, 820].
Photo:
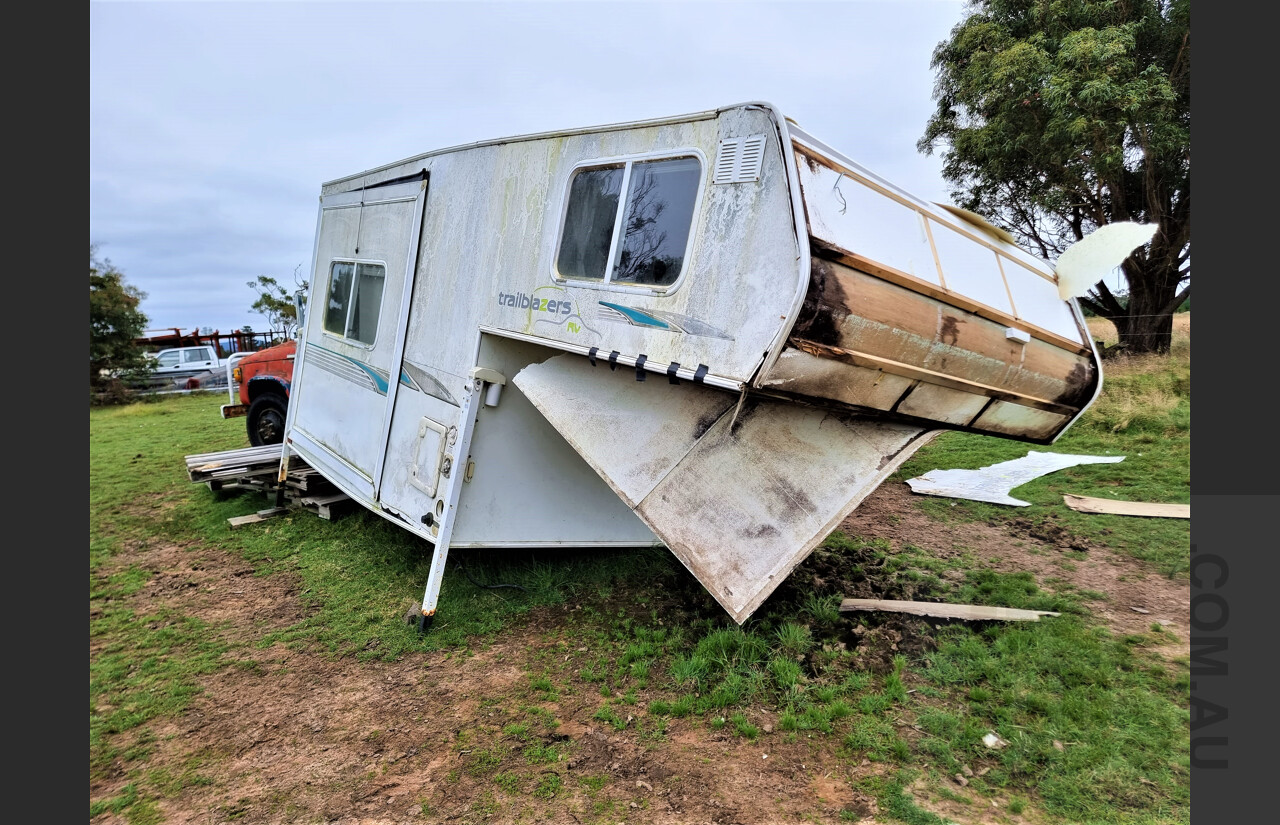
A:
[1055, 117]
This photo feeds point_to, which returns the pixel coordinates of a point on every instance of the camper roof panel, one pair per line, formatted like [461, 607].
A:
[379, 172]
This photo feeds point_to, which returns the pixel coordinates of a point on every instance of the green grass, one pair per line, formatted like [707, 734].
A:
[549, 784]
[357, 575]
[610, 717]
[646, 637]
[1125, 716]
[743, 727]
[508, 781]
[540, 754]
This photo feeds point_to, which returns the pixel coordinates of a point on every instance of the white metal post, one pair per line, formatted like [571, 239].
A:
[458, 453]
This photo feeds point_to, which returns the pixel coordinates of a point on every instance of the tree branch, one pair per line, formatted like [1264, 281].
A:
[1172, 306]
[1111, 305]
[1093, 307]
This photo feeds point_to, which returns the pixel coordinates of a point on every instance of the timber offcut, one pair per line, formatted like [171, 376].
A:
[258, 468]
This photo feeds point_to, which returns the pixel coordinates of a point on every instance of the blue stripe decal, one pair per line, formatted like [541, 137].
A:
[378, 380]
[334, 362]
[637, 317]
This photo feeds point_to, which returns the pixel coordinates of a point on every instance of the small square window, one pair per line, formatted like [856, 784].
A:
[355, 300]
[648, 242]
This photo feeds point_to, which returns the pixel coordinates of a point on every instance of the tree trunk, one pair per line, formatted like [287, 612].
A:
[1141, 332]
[1146, 324]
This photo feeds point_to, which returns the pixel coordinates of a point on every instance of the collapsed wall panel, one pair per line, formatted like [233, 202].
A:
[740, 494]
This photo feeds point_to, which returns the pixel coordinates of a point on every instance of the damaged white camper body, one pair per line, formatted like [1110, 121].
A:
[484, 318]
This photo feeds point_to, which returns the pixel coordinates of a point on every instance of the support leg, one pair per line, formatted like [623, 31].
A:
[431, 595]
[452, 482]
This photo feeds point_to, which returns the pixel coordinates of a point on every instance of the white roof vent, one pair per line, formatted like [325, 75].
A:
[740, 160]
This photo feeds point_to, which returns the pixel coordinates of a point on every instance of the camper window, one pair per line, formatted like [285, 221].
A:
[355, 300]
[648, 242]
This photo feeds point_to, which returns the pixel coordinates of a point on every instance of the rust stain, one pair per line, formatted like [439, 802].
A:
[950, 332]
[1080, 383]
[824, 304]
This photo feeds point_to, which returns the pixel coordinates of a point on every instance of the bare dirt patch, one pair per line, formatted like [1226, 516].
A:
[294, 736]
[1137, 596]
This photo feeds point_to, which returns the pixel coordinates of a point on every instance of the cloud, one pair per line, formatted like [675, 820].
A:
[213, 125]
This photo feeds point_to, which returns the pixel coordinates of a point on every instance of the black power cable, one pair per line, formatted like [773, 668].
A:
[467, 573]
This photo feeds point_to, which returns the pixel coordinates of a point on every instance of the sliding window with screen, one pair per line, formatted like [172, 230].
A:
[629, 222]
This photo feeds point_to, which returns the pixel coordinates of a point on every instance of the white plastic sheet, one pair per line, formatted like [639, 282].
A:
[992, 484]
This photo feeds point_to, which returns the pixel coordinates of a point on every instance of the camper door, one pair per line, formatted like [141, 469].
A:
[366, 253]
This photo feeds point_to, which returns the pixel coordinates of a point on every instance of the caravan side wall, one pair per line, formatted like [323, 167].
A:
[486, 270]
[492, 230]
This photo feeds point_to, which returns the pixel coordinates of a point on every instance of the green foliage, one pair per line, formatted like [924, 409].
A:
[891, 790]
[519, 730]
[508, 781]
[1124, 717]
[115, 322]
[543, 685]
[786, 673]
[743, 727]
[481, 762]
[275, 303]
[689, 671]
[823, 610]
[1057, 118]
[540, 754]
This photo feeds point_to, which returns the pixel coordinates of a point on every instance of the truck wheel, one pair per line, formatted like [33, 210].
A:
[266, 420]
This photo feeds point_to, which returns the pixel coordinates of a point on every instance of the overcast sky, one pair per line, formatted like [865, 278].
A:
[212, 125]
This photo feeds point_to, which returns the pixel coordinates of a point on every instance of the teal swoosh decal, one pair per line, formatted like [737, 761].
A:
[637, 317]
[341, 366]
[378, 380]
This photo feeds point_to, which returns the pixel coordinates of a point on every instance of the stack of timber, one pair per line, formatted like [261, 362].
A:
[258, 468]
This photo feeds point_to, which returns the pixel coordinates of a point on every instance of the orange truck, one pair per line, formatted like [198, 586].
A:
[263, 379]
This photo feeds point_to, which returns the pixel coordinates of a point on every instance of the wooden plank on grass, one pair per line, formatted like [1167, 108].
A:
[261, 515]
[1089, 504]
[942, 610]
